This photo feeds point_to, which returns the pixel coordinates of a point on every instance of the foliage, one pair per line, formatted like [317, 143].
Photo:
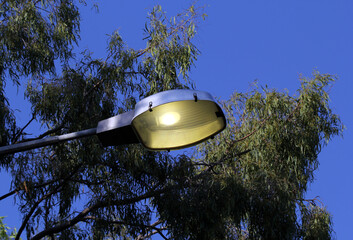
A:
[33, 35]
[271, 147]
[316, 222]
[247, 183]
[4, 231]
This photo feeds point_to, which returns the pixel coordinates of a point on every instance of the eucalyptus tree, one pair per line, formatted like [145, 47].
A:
[33, 35]
[249, 182]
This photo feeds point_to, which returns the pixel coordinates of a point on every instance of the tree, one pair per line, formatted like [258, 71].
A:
[33, 35]
[248, 182]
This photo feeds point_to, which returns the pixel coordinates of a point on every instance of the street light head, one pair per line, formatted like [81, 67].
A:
[167, 120]
[176, 119]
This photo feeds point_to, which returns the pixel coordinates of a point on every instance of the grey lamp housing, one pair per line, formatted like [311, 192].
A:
[164, 121]
[117, 130]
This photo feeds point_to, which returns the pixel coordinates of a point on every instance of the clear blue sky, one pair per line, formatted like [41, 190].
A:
[242, 40]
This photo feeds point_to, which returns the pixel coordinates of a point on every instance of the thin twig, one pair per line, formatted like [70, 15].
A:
[254, 131]
[21, 131]
[313, 200]
[54, 130]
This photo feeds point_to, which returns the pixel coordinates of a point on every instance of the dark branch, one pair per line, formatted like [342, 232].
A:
[210, 166]
[24, 187]
[159, 231]
[82, 215]
[10, 193]
[54, 130]
[24, 223]
[21, 131]
[152, 226]
[140, 237]
[56, 190]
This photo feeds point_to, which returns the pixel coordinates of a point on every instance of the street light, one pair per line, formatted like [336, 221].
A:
[167, 120]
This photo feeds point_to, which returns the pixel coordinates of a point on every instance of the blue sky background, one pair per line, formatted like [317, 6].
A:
[242, 40]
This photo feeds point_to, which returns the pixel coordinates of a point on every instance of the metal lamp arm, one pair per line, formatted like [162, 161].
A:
[19, 147]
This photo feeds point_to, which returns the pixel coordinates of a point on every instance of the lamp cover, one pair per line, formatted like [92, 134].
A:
[176, 119]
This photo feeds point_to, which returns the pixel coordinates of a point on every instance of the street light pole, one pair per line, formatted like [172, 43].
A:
[167, 120]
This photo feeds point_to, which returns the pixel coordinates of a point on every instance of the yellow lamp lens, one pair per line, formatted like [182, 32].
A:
[178, 124]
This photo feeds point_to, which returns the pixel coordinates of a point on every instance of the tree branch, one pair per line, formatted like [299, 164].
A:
[54, 130]
[210, 166]
[24, 223]
[312, 201]
[159, 231]
[152, 226]
[82, 215]
[56, 190]
[10, 193]
[254, 131]
[23, 187]
[21, 131]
